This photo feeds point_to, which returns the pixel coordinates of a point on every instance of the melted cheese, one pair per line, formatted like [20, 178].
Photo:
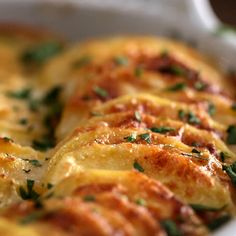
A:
[142, 103]
[114, 206]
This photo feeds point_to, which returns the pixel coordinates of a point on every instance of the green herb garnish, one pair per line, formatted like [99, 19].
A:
[34, 216]
[89, 198]
[218, 222]
[131, 138]
[7, 139]
[29, 193]
[20, 94]
[49, 185]
[233, 107]
[195, 144]
[177, 70]
[200, 86]
[145, 137]
[231, 171]
[211, 109]
[223, 156]
[121, 61]
[200, 208]
[162, 129]
[34, 104]
[81, 62]
[181, 114]
[94, 113]
[43, 145]
[35, 163]
[100, 92]
[177, 87]
[170, 227]
[52, 95]
[141, 202]
[138, 71]
[41, 53]
[194, 150]
[164, 53]
[192, 118]
[231, 138]
[26, 171]
[138, 167]
[23, 121]
[193, 155]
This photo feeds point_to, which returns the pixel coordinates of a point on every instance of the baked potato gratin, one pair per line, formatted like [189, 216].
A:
[120, 136]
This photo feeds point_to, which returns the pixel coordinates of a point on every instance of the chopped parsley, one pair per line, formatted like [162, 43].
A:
[200, 208]
[216, 223]
[194, 150]
[233, 107]
[7, 140]
[231, 171]
[20, 94]
[94, 113]
[131, 138]
[190, 117]
[34, 104]
[162, 129]
[137, 116]
[141, 202]
[138, 71]
[52, 95]
[177, 70]
[81, 62]
[177, 87]
[145, 137]
[138, 167]
[26, 171]
[43, 145]
[231, 138]
[35, 163]
[170, 227]
[181, 114]
[49, 185]
[193, 155]
[100, 92]
[41, 53]
[211, 109]
[200, 86]
[164, 53]
[54, 105]
[29, 193]
[23, 121]
[223, 156]
[34, 216]
[121, 61]
[195, 144]
[89, 198]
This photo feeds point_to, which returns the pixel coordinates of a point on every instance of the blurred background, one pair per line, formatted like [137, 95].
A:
[225, 10]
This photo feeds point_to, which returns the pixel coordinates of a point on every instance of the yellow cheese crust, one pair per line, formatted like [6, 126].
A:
[108, 202]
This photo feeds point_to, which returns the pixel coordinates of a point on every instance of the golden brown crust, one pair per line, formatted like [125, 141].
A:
[127, 202]
[131, 103]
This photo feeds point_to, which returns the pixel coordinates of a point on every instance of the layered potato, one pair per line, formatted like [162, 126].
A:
[116, 136]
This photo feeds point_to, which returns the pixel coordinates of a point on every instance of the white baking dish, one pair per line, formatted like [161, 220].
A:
[190, 20]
